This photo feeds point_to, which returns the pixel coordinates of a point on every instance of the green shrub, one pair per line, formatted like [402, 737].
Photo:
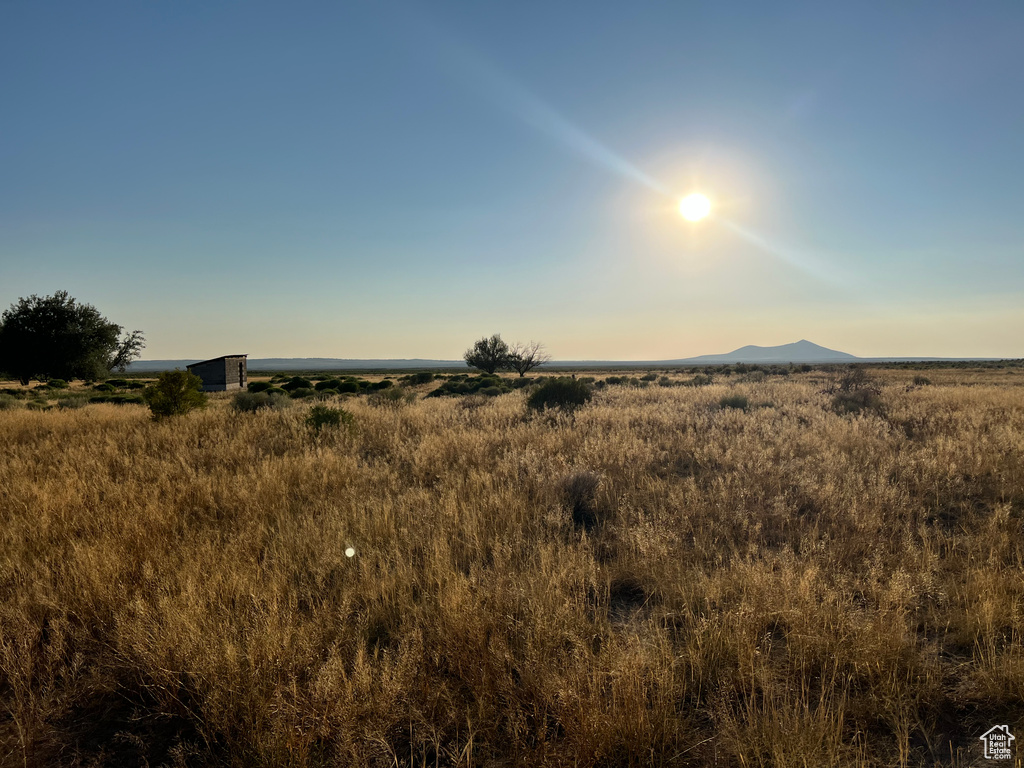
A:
[250, 402]
[297, 382]
[57, 384]
[472, 385]
[562, 392]
[421, 377]
[700, 380]
[328, 384]
[118, 399]
[492, 391]
[348, 386]
[649, 377]
[105, 388]
[734, 401]
[71, 403]
[7, 402]
[258, 386]
[382, 384]
[37, 405]
[135, 385]
[276, 391]
[174, 393]
[392, 396]
[922, 381]
[118, 383]
[301, 392]
[321, 416]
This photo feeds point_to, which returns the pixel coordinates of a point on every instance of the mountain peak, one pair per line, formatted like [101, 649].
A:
[802, 351]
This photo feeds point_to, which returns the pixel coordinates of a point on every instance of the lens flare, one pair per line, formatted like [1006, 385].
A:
[694, 207]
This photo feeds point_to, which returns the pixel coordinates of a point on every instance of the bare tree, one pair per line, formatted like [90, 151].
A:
[523, 358]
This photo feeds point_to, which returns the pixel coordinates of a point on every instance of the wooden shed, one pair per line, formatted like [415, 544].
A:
[222, 373]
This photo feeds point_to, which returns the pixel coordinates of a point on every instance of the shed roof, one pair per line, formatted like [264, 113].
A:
[214, 360]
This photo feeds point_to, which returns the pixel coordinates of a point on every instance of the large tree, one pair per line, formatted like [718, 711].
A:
[488, 354]
[57, 337]
[523, 358]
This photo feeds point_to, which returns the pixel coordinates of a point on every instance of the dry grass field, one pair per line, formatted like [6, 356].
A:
[654, 581]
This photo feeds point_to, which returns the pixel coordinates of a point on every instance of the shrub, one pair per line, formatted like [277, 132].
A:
[328, 384]
[472, 385]
[922, 381]
[393, 397]
[250, 402]
[857, 401]
[258, 386]
[422, 377]
[7, 402]
[135, 385]
[276, 391]
[70, 403]
[579, 496]
[118, 383]
[700, 380]
[383, 384]
[321, 416]
[562, 392]
[652, 376]
[301, 392]
[37, 405]
[104, 388]
[57, 384]
[734, 401]
[174, 393]
[348, 386]
[297, 382]
[118, 399]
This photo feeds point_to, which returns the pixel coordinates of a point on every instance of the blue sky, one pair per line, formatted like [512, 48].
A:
[375, 179]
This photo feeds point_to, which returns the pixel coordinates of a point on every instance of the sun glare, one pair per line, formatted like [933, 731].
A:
[694, 207]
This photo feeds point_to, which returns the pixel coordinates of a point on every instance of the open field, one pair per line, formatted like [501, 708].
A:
[657, 580]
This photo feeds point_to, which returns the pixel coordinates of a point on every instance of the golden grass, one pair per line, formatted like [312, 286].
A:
[777, 587]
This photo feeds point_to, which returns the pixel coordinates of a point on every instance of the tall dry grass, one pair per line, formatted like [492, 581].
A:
[656, 581]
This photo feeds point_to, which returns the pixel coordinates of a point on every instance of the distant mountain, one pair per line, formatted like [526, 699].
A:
[303, 364]
[802, 351]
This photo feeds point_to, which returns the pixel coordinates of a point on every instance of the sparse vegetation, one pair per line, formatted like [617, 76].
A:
[563, 392]
[174, 393]
[321, 416]
[250, 402]
[735, 400]
[649, 583]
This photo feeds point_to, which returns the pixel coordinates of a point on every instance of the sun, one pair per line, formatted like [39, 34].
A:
[694, 207]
